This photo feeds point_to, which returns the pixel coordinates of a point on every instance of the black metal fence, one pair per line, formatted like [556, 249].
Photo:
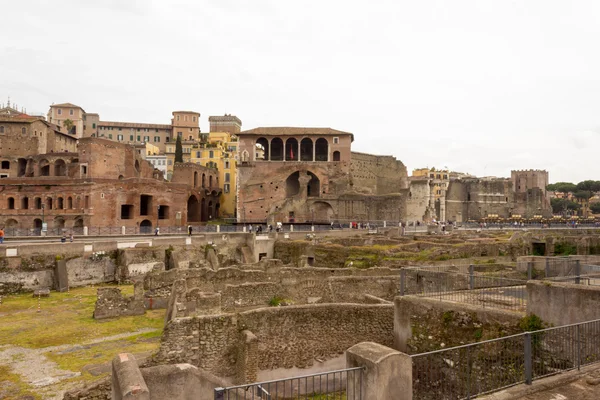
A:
[343, 384]
[467, 371]
[472, 288]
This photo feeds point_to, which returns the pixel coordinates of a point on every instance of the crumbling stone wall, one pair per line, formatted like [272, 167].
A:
[111, 303]
[287, 337]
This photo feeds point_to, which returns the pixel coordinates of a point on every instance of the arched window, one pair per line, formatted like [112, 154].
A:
[23, 131]
[195, 178]
[49, 203]
[321, 149]
[306, 150]
[38, 203]
[25, 203]
[11, 203]
[60, 204]
[291, 150]
[69, 203]
[262, 150]
[276, 149]
[210, 181]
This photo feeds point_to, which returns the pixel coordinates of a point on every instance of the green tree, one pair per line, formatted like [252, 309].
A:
[562, 187]
[561, 205]
[68, 124]
[595, 208]
[178, 150]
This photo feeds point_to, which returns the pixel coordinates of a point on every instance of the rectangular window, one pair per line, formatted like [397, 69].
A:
[180, 134]
[156, 139]
[227, 177]
[120, 138]
[226, 188]
[197, 154]
[138, 138]
[131, 137]
[194, 119]
[59, 111]
[70, 112]
[170, 162]
[211, 154]
[94, 125]
[226, 164]
[146, 138]
[336, 140]
[138, 129]
[156, 130]
[167, 139]
[110, 135]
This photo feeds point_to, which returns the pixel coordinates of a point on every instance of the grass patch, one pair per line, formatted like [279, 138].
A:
[12, 387]
[71, 313]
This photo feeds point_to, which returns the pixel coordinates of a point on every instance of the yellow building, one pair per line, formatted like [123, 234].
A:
[220, 152]
[439, 179]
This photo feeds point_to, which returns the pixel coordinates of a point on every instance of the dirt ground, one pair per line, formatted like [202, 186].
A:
[47, 352]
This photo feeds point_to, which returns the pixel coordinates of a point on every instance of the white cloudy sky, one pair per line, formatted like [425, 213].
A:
[480, 86]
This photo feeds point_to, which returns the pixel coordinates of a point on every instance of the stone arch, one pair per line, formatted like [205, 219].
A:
[10, 203]
[313, 187]
[262, 144]
[78, 222]
[195, 179]
[292, 185]
[60, 168]
[306, 149]
[30, 168]
[21, 167]
[25, 203]
[49, 203]
[69, 203]
[291, 149]
[193, 209]
[60, 203]
[11, 223]
[245, 156]
[44, 167]
[58, 223]
[276, 149]
[321, 150]
[38, 203]
[322, 211]
[146, 226]
[121, 177]
[203, 180]
[336, 156]
[203, 214]
[37, 223]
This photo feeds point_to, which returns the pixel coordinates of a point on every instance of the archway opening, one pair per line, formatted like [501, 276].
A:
[313, 188]
[22, 167]
[195, 178]
[322, 212]
[277, 149]
[193, 209]
[291, 149]
[210, 181]
[262, 149]
[10, 203]
[25, 203]
[203, 180]
[217, 210]
[146, 226]
[44, 168]
[58, 223]
[321, 149]
[37, 223]
[60, 168]
[11, 223]
[292, 185]
[306, 150]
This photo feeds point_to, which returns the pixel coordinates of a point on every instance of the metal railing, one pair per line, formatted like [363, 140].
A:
[467, 371]
[343, 384]
[472, 288]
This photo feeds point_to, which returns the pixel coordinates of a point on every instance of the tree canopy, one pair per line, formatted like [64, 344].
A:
[595, 207]
[561, 205]
[582, 190]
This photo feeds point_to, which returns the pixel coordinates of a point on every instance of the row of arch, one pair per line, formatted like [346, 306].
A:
[36, 223]
[203, 210]
[49, 204]
[276, 149]
[204, 180]
[30, 167]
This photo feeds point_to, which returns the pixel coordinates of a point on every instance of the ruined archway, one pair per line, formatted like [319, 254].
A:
[292, 185]
[306, 150]
[276, 149]
[313, 187]
[22, 167]
[69, 203]
[321, 149]
[60, 168]
[58, 223]
[44, 166]
[37, 223]
[291, 149]
[11, 223]
[322, 211]
[262, 149]
[193, 209]
[146, 226]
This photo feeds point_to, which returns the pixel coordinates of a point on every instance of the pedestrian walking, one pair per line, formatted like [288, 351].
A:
[156, 231]
[1, 235]
[189, 230]
[71, 237]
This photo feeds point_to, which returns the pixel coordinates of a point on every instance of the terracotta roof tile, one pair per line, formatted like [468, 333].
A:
[292, 131]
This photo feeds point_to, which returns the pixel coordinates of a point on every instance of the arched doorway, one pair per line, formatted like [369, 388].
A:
[193, 209]
[276, 149]
[60, 168]
[322, 211]
[292, 185]
[203, 210]
[146, 226]
[262, 149]
[58, 223]
[78, 225]
[321, 149]
[313, 188]
[291, 149]
[336, 156]
[37, 223]
[44, 167]
[306, 150]
[11, 223]
[22, 167]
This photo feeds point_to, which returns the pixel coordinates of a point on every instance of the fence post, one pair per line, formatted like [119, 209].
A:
[402, 281]
[547, 272]
[219, 393]
[577, 271]
[528, 358]
[578, 346]
[85, 231]
[471, 276]
[529, 270]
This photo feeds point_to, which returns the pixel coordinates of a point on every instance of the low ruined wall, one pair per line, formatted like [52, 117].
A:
[351, 289]
[14, 282]
[286, 337]
[563, 303]
[423, 324]
[111, 303]
[85, 271]
[249, 294]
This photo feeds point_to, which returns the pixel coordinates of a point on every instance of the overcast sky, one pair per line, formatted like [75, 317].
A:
[478, 86]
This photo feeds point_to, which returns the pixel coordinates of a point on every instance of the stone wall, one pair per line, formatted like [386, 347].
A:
[287, 337]
[423, 324]
[563, 303]
[375, 174]
[111, 303]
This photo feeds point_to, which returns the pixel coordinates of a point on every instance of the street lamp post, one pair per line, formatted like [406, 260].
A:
[157, 214]
[312, 221]
[43, 219]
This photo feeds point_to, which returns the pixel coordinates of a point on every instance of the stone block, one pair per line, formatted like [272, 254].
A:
[43, 292]
[61, 276]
